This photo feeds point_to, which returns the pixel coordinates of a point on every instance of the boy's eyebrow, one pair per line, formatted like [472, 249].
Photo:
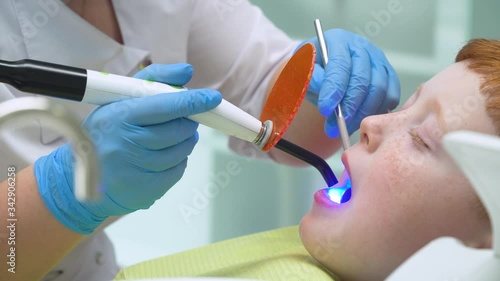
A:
[438, 110]
[419, 89]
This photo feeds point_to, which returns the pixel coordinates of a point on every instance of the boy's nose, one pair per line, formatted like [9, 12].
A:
[371, 131]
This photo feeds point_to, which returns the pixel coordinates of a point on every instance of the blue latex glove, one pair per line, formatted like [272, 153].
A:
[142, 147]
[358, 76]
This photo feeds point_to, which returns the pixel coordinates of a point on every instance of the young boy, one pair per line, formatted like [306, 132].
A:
[406, 192]
[406, 189]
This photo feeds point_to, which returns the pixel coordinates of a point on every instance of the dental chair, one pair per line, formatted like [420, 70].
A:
[27, 109]
[446, 259]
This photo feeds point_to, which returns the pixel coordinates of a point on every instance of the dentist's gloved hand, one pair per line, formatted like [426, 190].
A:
[358, 76]
[142, 147]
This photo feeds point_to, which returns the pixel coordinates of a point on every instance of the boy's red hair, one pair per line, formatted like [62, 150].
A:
[483, 57]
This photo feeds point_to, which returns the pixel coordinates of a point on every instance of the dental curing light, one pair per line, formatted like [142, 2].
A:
[314, 160]
[101, 88]
[341, 193]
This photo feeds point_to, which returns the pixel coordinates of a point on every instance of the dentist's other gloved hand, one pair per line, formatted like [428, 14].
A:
[142, 146]
[358, 76]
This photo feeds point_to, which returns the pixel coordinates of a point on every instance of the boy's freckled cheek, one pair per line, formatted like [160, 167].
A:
[396, 169]
[399, 175]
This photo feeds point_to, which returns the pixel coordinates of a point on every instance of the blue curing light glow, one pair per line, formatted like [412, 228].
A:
[340, 194]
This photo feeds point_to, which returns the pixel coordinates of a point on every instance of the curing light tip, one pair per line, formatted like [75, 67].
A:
[340, 194]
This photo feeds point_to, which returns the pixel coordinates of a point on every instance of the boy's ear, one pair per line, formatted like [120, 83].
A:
[482, 243]
[488, 243]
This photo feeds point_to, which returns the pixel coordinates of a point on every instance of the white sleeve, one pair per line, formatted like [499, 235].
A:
[234, 48]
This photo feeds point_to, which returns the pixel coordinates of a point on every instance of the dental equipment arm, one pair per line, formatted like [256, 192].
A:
[34, 240]
[86, 168]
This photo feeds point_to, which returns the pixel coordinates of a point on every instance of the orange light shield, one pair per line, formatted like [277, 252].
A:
[288, 92]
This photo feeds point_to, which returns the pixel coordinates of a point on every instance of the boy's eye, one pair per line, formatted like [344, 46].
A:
[416, 138]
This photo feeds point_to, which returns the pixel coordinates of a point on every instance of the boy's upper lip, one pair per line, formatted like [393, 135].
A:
[344, 160]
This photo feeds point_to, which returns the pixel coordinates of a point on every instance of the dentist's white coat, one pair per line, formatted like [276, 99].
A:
[230, 43]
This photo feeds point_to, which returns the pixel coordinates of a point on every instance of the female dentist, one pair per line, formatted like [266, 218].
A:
[232, 47]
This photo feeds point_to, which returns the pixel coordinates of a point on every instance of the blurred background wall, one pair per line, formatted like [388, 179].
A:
[419, 39]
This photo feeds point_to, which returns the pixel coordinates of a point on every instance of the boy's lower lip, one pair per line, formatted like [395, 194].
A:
[321, 197]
